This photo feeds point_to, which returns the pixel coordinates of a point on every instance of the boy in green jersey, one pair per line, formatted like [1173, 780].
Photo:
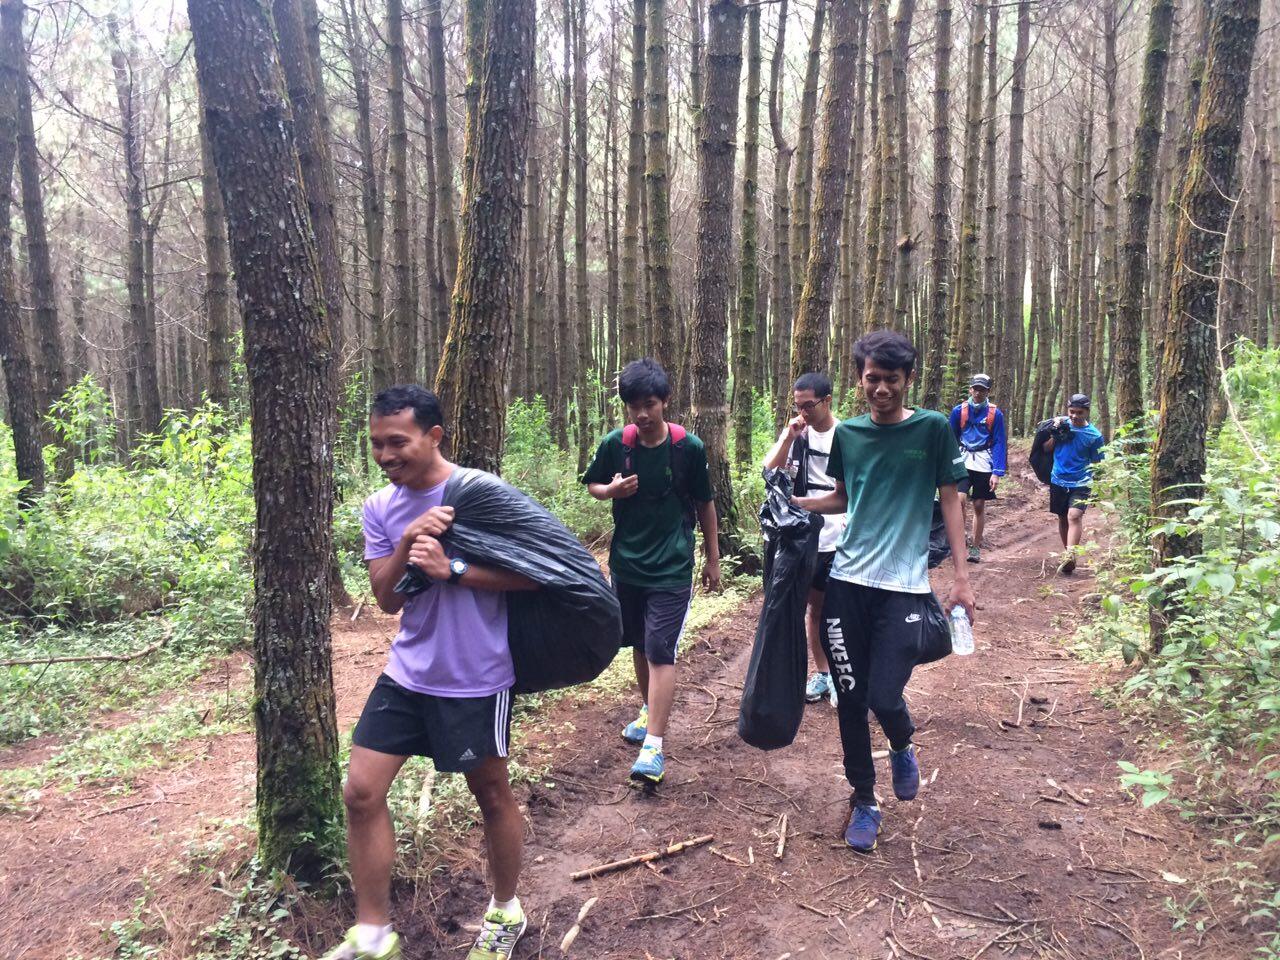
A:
[656, 475]
[887, 465]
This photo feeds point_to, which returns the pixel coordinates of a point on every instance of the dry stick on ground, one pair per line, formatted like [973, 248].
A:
[1068, 791]
[576, 929]
[692, 906]
[782, 838]
[94, 658]
[649, 857]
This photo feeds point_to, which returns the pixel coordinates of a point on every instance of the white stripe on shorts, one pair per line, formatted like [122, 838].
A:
[500, 712]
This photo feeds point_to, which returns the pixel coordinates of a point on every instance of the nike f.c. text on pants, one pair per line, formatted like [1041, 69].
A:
[872, 639]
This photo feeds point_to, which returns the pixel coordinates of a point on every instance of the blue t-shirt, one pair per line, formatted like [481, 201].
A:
[984, 450]
[1073, 458]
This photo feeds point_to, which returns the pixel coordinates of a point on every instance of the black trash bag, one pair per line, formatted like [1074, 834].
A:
[570, 629]
[1041, 460]
[935, 642]
[773, 692]
[939, 546]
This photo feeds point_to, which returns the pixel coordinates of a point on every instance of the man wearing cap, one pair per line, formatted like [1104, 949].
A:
[1076, 445]
[979, 427]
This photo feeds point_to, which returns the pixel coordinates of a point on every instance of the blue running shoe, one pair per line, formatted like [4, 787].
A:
[636, 730]
[650, 766]
[906, 772]
[864, 825]
[818, 687]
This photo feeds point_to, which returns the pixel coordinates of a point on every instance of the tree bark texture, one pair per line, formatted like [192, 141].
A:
[289, 359]
[713, 286]
[142, 331]
[662, 317]
[1016, 386]
[440, 140]
[480, 326]
[582, 304]
[780, 333]
[402, 353]
[1191, 349]
[812, 327]
[802, 186]
[1142, 174]
[220, 345]
[15, 355]
[744, 344]
[940, 215]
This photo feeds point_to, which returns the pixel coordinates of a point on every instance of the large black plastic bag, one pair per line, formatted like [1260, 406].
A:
[568, 631]
[773, 692]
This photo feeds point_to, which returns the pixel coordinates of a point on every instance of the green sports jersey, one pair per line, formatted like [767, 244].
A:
[891, 472]
[652, 538]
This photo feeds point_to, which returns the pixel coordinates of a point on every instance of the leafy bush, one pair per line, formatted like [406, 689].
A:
[1217, 673]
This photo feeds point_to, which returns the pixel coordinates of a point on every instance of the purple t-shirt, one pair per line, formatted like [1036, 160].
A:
[452, 640]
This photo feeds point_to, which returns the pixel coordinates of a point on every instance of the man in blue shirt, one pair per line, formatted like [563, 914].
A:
[978, 426]
[1076, 445]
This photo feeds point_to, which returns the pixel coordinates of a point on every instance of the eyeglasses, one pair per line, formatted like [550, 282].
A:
[808, 406]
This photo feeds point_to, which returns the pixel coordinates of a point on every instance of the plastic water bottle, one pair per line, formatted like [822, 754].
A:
[961, 632]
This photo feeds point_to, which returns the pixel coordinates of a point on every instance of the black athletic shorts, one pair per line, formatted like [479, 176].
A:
[822, 571]
[1062, 499]
[455, 732]
[977, 486]
[653, 619]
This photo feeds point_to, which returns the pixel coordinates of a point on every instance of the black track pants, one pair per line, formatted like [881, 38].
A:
[872, 639]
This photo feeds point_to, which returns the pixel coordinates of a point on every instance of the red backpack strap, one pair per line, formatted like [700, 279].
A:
[964, 415]
[991, 416]
[630, 434]
[678, 433]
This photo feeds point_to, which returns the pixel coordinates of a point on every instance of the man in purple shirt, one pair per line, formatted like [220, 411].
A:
[446, 690]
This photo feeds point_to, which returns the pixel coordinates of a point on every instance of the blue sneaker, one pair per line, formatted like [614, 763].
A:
[636, 730]
[864, 825]
[818, 688]
[650, 766]
[906, 772]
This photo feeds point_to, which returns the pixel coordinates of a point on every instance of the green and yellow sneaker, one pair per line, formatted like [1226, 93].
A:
[634, 732]
[498, 935]
[347, 949]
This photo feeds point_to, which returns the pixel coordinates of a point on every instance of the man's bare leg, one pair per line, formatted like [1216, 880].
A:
[812, 622]
[503, 825]
[662, 691]
[371, 840]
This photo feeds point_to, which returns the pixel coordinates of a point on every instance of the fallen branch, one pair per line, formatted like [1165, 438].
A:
[93, 658]
[635, 861]
[692, 906]
[1068, 791]
[822, 913]
[782, 839]
[576, 929]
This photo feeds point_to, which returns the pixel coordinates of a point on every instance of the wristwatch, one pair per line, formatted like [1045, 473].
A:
[457, 567]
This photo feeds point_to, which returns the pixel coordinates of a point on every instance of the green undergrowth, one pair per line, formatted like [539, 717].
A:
[1211, 694]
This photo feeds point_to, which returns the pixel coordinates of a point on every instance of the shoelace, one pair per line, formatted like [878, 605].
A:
[495, 934]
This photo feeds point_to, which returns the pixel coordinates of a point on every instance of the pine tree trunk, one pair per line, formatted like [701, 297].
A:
[1011, 311]
[780, 334]
[582, 304]
[966, 307]
[564, 354]
[1190, 358]
[80, 366]
[801, 190]
[989, 337]
[373, 213]
[402, 357]
[632, 277]
[15, 355]
[851, 318]
[50, 355]
[1110, 226]
[940, 215]
[488, 286]
[1142, 174]
[145, 412]
[443, 153]
[290, 364]
[745, 343]
[217, 288]
[808, 348]
[662, 306]
[713, 286]
[613, 293]
[885, 221]
[903, 242]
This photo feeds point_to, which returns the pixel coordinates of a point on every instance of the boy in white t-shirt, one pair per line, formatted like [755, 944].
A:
[802, 449]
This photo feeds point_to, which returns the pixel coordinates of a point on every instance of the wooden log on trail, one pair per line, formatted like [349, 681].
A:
[671, 851]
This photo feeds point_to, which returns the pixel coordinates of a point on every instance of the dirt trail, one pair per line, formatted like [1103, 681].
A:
[978, 864]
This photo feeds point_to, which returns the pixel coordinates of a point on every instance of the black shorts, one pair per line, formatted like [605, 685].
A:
[977, 486]
[653, 619]
[1062, 499]
[822, 571]
[455, 732]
